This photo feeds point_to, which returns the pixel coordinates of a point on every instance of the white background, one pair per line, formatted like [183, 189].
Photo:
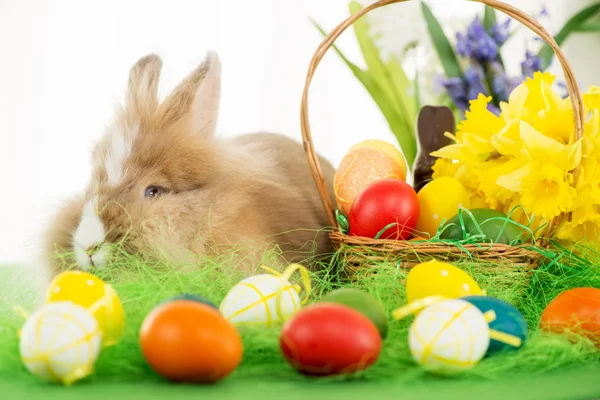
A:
[64, 64]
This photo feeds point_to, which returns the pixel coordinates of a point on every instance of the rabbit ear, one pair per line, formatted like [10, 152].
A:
[142, 91]
[197, 96]
[205, 108]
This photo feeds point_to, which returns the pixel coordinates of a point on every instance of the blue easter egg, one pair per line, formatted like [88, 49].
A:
[508, 320]
[193, 297]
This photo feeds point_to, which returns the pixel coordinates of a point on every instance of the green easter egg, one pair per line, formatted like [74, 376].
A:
[362, 302]
[491, 228]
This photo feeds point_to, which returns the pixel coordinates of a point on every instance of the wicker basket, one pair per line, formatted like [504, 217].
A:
[360, 252]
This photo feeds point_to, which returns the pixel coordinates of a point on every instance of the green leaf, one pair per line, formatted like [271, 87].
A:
[572, 25]
[407, 105]
[390, 76]
[386, 106]
[489, 18]
[442, 45]
[417, 92]
[589, 27]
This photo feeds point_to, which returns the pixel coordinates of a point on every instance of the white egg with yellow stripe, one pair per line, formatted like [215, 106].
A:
[451, 336]
[60, 342]
[265, 299]
[448, 337]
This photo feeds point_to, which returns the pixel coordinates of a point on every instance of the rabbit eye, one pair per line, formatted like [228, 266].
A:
[153, 191]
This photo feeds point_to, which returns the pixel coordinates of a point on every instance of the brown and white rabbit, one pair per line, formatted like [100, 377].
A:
[163, 183]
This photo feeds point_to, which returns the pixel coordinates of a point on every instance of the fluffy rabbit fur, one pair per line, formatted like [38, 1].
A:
[162, 184]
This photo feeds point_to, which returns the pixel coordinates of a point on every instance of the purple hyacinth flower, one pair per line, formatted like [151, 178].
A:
[477, 43]
[475, 29]
[500, 33]
[531, 64]
[500, 87]
[485, 49]
[514, 82]
[462, 104]
[493, 109]
[472, 75]
[455, 87]
[500, 82]
[464, 46]
[474, 79]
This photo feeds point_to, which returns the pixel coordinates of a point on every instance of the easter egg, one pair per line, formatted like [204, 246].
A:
[193, 297]
[188, 341]
[449, 337]
[329, 339]
[255, 301]
[98, 297]
[491, 222]
[574, 311]
[385, 202]
[363, 164]
[508, 320]
[435, 278]
[362, 302]
[440, 200]
[60, 342]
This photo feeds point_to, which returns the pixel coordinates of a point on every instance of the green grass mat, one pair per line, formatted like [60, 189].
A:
[547, 367]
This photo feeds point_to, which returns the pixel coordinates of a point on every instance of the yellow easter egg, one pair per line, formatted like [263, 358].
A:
[365, 163]
[438, 200]
[92, 293]
[435, 278]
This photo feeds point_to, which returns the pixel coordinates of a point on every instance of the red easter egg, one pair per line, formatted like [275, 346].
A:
[575, 310]
[384, 202]
[329, 339]
[188, 341]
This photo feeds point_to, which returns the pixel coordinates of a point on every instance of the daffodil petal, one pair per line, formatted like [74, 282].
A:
[545, 149]
[515, 108]
[477, 144]
[506, 142]
[459, 152]
[479, 120]
[591, 99]
[514, 180]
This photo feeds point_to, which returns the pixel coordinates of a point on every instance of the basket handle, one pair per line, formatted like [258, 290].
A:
[515, 13]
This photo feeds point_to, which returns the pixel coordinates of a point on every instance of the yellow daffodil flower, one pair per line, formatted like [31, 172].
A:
[494, 194]
[523, 160]
[546, 149]
[584, 225]
[546, 192]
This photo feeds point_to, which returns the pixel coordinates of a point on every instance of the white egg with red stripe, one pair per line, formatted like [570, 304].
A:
[60, 342]
[262, 299]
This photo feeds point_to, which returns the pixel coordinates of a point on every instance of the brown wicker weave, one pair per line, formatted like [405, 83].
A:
[361, 251]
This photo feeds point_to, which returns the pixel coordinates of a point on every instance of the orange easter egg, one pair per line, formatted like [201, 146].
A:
[365, 163]
[188, 341]
[576, 311]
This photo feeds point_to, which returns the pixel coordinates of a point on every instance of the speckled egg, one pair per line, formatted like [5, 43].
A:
[363, 164]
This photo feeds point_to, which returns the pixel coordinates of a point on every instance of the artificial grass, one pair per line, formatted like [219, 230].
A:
[141, 286]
